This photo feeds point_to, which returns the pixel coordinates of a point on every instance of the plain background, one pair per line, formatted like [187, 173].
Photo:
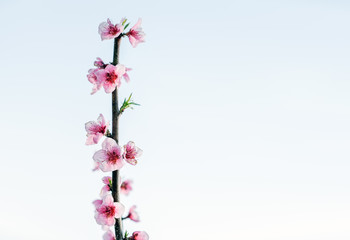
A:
[244, 120]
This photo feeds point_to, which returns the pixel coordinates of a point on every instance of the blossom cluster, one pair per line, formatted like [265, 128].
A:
[108, 75]
[111, 156]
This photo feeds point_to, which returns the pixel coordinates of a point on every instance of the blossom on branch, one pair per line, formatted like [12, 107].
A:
[96, 130]
[131, 152]
[109, 31]
[109, 210]
[133, 215]
[107, 187]
[110, 156]
[136, 35]
[110, 77]
[126, 187]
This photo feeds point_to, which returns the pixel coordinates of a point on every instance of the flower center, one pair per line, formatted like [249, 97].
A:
[113, 30]
[113, 157]
[102, 130]
[109, 211]
[130, 154]
[111, 77]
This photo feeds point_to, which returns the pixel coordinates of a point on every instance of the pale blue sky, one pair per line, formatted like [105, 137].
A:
[244, 120]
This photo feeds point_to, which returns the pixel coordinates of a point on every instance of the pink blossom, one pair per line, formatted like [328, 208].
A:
[109, 31]
[96, 130]
[126, 76]
[133, 215]
[107, 187]
[99, 63]
[126, 187]
[110, 156]
[93, 79]
[110, 77]
[108, 211]
[136, 35]
[131, 152]
[109, 235]
[139, 235]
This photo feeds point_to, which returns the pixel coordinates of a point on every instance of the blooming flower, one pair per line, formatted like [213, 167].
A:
[110, 77]
[108, 211]
[109, 235]
[139, 235]
[109, 31]
[95, 130]
[136, 35]
[133, 215]
[107, 187]
[131, 152]
[126, 187]
[110, 156]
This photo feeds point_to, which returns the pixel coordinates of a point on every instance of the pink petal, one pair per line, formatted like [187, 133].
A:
[97, 203]
[109, 235]
[91, 126]
[126, 77]
[137, 25]
[101, 120]
[108, 200]
[105, 189]
[108, 144]
[131, 161]
[139, 236]
[108, 167]
[110, 87]
[90, 140]
[106, 180]
[132, 41]
[100, 156]
[120, 209]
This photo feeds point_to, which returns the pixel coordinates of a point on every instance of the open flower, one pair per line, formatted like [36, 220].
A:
[96, 130]
[108, 211]
[109, 31]
[133, 215]
[136, 35]
[131, 152]
[139, 235]
[126, 187]
[110, 156]
[109, 235]
[107, 187]
[110, 77]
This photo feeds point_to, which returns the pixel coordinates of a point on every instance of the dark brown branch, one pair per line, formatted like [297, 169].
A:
[115, 135]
